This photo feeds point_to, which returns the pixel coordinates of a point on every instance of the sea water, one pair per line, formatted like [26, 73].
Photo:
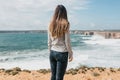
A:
[30, 51]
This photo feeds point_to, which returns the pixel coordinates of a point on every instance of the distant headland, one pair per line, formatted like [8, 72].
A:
[108, 34]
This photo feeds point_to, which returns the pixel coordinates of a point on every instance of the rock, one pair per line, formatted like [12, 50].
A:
[2, 70]
[44, 71]
[118, 69]
[112, 70]
[8, 71]
[88, 79]
[13, 73]
[83, 72]
[16, 69]
[83, 67]
[25, 70]
[96, 74]
[72, 71]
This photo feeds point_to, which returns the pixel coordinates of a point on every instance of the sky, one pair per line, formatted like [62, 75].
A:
[82, 14]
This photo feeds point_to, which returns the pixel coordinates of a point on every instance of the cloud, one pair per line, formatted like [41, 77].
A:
[33, 14]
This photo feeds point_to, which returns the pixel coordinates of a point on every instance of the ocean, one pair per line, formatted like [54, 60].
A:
[30, 51]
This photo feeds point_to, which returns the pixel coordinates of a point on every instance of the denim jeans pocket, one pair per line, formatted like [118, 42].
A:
[63, 57]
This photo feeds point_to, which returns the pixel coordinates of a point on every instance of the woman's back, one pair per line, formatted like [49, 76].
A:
[58, 44]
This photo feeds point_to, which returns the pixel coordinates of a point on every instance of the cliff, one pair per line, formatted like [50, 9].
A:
[108, 34]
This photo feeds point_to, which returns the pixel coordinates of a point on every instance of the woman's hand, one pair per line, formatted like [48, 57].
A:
[70, 57]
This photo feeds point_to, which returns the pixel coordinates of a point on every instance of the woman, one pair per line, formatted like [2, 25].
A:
[59, 43]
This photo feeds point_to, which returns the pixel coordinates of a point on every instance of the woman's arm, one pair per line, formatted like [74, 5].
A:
[68, 44]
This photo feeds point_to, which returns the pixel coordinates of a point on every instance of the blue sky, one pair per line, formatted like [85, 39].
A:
[101, 14]
[82, 14]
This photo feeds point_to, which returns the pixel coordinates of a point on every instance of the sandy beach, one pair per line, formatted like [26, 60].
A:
[81, 73]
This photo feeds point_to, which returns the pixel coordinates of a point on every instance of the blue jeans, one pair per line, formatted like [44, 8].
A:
[58, 63]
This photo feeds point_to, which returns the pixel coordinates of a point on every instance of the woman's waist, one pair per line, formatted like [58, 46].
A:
[59, 48]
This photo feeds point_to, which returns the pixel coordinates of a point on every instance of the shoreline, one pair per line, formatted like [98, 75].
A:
[81, 73]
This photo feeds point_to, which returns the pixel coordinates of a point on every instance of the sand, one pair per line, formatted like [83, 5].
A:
[82, 73]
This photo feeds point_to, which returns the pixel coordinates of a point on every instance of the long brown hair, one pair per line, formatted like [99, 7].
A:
[59, 24]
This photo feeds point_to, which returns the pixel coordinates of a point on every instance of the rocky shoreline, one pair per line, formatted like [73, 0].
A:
[81, 73]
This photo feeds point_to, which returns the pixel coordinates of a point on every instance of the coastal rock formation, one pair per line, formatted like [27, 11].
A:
[108, 34]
